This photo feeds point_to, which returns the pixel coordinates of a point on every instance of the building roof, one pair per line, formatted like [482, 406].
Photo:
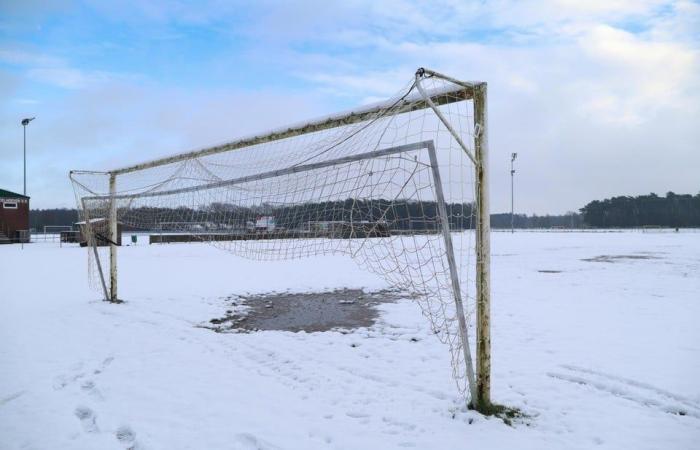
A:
[10, 194]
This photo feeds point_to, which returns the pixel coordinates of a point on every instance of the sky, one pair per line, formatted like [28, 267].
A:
[598, 98]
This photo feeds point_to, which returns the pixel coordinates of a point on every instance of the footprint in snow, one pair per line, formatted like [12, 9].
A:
[106, 362]
[90, 387]
[251, 442]
[11, 397]
[127, 438]
[61, 381]
[87, 419]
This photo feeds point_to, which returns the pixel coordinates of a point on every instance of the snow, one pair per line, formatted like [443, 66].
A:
[602, 350]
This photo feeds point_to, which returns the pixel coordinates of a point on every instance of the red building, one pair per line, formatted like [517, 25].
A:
[14, 217]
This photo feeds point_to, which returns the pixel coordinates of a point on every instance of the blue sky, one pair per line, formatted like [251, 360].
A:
[599, 98]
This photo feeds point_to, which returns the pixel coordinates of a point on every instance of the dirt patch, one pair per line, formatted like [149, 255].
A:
[314, 311]
[616, 258]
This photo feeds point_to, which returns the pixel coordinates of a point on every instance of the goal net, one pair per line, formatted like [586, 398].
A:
[392, 185]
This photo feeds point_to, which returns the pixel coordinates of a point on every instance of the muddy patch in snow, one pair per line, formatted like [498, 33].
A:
[616, 258]
[310, 312]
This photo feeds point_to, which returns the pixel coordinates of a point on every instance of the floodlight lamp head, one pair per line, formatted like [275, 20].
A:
[25, 122]
[513, 156]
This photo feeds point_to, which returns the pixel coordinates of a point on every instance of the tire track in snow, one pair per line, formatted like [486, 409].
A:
[631, 390]
[634, 383]
[290, 367]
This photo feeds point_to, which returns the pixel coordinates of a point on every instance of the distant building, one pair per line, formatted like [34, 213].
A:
[14, 217]
[265, 223]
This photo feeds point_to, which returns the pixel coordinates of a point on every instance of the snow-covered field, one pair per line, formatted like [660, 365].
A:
[601, 350]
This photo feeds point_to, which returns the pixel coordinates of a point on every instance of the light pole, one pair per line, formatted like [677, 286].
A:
[25, 122]
[512, 173]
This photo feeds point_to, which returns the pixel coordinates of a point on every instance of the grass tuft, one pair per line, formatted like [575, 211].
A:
[506, 413]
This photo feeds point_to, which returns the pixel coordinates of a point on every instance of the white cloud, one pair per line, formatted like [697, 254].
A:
[116, 123]
[579, 89]
[577, 94]
[63, 77]
[20, 57]
[57, 71]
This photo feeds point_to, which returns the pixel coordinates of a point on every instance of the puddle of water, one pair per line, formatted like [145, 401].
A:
[313, 311]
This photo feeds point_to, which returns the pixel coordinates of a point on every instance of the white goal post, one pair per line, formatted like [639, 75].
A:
[368, 175]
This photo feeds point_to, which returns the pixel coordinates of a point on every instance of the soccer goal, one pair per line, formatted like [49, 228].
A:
[400, 186]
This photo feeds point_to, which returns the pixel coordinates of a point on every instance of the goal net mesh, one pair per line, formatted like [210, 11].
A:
[365, 189]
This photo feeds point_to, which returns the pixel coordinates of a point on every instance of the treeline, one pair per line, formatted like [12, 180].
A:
[568, 220]
[673, 211]
[39, 218]
[399, 214]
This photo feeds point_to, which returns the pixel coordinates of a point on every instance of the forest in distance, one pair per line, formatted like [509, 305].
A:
[671, 211]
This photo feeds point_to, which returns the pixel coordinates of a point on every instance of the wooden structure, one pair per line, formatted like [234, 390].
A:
[14, 217]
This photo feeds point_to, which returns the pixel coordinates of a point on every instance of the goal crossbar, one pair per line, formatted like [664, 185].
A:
[412, 102]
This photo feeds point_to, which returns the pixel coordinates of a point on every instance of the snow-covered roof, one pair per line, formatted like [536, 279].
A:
[95, 220]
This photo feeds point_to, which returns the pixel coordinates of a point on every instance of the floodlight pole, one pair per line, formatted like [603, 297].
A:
[483, 250]
[512, 174]
[25, 122]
